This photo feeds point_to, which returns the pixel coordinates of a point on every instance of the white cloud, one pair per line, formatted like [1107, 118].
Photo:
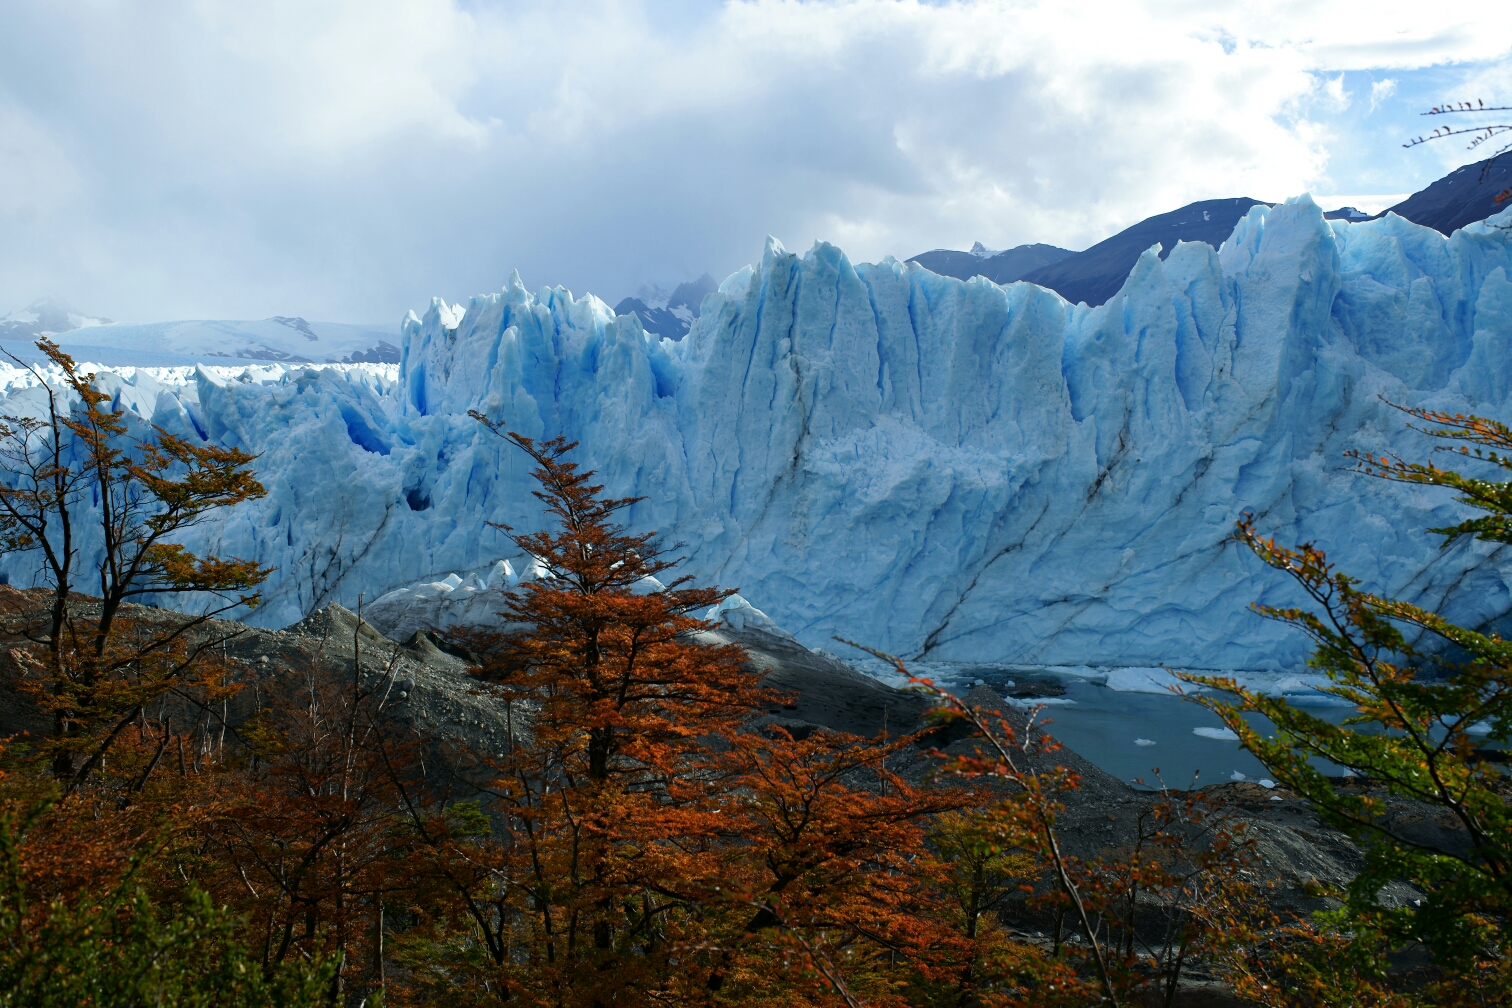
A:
[1381, 90]
[1333, 89]
[346, 160]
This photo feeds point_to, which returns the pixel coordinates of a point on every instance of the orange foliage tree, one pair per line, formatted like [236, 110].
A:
[99, 671]
[609, 786]
[826, 851]
[658, 842]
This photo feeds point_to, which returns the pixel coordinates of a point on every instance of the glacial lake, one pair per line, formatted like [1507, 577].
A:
[1125, 721]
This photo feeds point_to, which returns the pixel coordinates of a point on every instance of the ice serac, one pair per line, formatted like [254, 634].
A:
[945, 469]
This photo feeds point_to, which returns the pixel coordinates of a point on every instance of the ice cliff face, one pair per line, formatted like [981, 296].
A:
[946, 469]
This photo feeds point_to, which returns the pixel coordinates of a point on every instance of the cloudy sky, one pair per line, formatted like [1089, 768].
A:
[345, 161]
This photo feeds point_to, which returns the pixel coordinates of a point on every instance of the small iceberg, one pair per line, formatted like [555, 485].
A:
[1221, 734]
[1144, 742]
[1142, 680]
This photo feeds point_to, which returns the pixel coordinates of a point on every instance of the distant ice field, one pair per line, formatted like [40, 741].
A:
[175, 344]
[177, 376]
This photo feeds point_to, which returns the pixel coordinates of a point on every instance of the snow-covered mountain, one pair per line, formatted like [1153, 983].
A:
[47, 316]
[168, 344]
[668, 315]
[943, 468]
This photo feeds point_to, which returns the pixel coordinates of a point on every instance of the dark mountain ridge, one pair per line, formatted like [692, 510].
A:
[673, 320]
[999, 267]
[1464, 196]
[1097, 274]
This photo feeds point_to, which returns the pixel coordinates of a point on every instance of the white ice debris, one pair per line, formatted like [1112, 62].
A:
[1237, 776]
[451, 601]
[944, 470]
[1266, 783]
[1144, 680]
[1221, 734]
[1143, 742]
[738, 614]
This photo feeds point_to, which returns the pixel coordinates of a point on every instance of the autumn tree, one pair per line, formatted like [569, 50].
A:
[308, 831]
[1431, 698]
[1181, 893]
[610, 781]
[77, 477]
[980, 876]
[826, 859]
[103, 505]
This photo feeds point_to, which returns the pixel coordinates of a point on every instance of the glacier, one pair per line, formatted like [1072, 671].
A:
[949, 470]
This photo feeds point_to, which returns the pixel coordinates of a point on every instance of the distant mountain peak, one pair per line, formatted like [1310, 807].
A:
[1000, 267]
[1098, 273]
[668, 316]
[45, 316]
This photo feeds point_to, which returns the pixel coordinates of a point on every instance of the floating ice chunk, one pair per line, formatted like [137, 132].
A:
[1029, 703]
[1237, 776]
[1142, 680]
[1479, 728]
[1276, 797]
[1300, 691]
[1266, 783]
[1144, 742]
[1221, 734]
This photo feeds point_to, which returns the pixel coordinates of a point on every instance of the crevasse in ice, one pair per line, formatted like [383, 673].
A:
[944, 469]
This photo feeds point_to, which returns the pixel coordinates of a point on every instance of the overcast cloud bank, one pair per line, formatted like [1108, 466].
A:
[341, 161]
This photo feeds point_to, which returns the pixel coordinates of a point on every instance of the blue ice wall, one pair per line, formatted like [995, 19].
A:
[942, 468]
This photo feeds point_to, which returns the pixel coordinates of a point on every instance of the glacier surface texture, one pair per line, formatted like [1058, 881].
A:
[949, 470]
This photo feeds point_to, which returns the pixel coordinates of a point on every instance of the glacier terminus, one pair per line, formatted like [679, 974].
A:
[949, 470]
